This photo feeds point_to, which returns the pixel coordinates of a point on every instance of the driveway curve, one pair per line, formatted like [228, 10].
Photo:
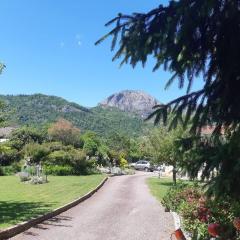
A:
[123, 209]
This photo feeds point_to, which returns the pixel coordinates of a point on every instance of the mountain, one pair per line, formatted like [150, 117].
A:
[39, 109]
[137, 102]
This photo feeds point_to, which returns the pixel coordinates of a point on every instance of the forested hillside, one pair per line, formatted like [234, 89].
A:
[39, 109]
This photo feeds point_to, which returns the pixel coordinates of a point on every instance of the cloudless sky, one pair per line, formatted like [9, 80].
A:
[48, 47]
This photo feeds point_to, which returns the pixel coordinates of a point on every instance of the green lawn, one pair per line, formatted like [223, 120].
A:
[22, 201]
[159, 186]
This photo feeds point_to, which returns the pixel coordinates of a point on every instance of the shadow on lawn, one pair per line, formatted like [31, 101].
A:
[13, 212]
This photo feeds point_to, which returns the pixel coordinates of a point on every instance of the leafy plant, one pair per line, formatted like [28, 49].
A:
[197, 211]
[123, 163]
[58, 170]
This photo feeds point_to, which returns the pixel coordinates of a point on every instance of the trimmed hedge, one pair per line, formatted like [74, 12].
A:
[57, 170]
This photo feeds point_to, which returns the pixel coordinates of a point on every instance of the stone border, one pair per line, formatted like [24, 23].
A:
[21, 227]
[177, 224]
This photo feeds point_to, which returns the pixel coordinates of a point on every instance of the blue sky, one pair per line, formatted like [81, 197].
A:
[48, 47]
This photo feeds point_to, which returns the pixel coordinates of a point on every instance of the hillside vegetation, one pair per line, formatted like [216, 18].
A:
[39, 109]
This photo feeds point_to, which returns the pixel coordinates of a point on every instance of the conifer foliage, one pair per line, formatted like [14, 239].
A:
[190, 38]
[193, 39]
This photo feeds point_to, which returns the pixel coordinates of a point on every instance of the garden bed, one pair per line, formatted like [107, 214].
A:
[202, 217]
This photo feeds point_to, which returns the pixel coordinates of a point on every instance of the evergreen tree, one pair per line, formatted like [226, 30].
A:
[191, 39]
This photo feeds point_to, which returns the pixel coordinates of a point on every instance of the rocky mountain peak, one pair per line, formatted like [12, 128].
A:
[137, 102]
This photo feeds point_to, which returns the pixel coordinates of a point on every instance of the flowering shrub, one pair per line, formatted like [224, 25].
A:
[175, 196]
[197, 211]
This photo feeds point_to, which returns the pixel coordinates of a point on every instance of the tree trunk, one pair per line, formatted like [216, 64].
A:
[174, 175]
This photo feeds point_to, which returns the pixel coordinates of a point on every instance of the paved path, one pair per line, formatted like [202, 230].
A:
[122, 210]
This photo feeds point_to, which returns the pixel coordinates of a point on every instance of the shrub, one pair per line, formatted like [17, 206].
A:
[10, 170]
[74, 158]
[197, 211]
[36, 152]
[123, 163]
[16, 167]
[58, 170]
[80, 163]
[174, 196]
[8, 155]
[1, 171]
[59, 157]
[25, 135]
[7, 171]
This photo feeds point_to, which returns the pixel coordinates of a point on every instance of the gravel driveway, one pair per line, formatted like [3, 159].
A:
[123, 209]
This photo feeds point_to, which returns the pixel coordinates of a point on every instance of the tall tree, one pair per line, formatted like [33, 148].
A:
[2, 66]
[191, 38]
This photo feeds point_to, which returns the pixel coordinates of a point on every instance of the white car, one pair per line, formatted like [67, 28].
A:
[142, 165]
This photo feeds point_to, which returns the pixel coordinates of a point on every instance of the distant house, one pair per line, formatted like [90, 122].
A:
[5, 133]
[208, 130]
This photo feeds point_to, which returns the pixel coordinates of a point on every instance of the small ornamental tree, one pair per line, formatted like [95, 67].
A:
[91, 143]
[163, 148]
[65, 132]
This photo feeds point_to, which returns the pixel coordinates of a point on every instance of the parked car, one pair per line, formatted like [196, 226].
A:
[143, 165]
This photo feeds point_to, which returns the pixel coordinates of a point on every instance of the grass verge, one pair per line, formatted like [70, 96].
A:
[22, 201]
[159, 186]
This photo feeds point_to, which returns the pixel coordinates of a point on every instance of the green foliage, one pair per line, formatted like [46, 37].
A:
[10, 170]
[38, 110]
[134, 151]
[175, 196]
[2, 66]
[192, 38]
[1, 171]
[8, 154]
[218, 160]
[79, 162]
[60, 157]
[103, 154]
[118, 142]
[184, 199]
[61, 143]
[35, 152]
[198, 211]
[58, 170]
[27, 143]
[25, 135]
[123, 163]
[162, 147]
[73, 158]
[186, 38]
[91, 143]
[56, 146]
